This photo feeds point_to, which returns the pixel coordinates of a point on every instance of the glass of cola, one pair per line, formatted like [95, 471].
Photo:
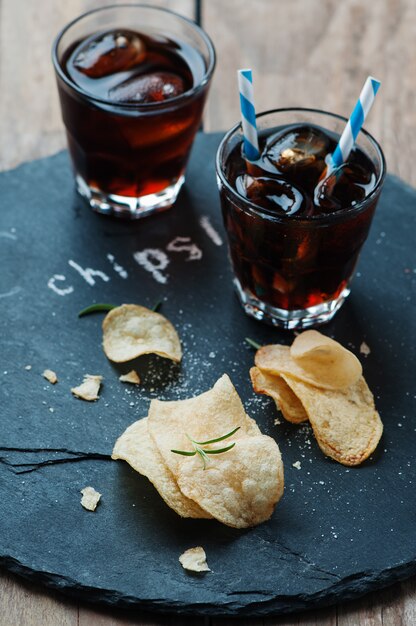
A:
[294, 232]
[132, 82]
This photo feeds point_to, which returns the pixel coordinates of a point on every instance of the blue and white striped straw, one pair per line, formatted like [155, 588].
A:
[248, 115]
[354, 124]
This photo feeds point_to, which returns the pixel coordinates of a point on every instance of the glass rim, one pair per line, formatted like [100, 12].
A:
[147, 106]
[257, 209]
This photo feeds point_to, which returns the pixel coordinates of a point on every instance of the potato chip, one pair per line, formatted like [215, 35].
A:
[239, 488]
[131, 330]
[275, 387]
[88, 390]
[204, 417]
[131, 377]
[277, 360]
[90, 498]
[50, 376]
[325, 360]
[346, 424]
[137, 448]
[194, 560]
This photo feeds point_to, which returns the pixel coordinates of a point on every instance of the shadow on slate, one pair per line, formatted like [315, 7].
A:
[336, 534]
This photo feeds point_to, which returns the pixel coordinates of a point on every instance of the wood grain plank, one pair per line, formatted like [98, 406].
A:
[304, 52]
[317, 53]
[109, 617]
[231, 621]
[407, 600]
[25, 604]
[30, 118]
[366, 611]
[321, 617]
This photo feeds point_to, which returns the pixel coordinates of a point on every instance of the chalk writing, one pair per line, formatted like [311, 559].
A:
[117, 268]
[184, 244]
[210, 230]
[14, 290]
[154, 261]
[88, 274]
[7, 235]
[61, 291]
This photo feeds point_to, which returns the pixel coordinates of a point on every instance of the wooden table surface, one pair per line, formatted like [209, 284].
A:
[313, 53]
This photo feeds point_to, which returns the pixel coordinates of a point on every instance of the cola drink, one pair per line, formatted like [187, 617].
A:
[295, 226]
[131, 103]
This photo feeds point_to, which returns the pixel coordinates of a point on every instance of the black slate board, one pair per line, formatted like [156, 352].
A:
[337, 533]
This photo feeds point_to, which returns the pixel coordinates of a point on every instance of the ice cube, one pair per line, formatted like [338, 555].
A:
[346, 186]
[274, 194]
[154, 87]
[110, 52]
[298, 153]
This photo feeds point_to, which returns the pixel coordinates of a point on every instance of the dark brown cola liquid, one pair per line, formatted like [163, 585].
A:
[120, 142]
[285, 254]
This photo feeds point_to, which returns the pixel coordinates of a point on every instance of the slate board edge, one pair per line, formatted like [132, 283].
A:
[351, 587]
[347, 589]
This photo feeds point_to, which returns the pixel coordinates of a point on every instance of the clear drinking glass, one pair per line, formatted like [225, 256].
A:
[129, 156]
[290, 271]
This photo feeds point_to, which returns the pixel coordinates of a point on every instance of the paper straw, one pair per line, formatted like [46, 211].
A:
[248, 115]
[354, 124]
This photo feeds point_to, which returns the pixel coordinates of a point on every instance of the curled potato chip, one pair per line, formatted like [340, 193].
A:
[239, 487]
[209, 415]
[346, 424]
[326, 361]
[242, 487]
[131, 330]
[137, 448]
[277, 360]
[275, 387]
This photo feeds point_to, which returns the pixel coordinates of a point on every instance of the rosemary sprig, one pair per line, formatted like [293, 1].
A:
[103, 306]
[253, 343]
[156, 306]
[96, 308]
[203, 452]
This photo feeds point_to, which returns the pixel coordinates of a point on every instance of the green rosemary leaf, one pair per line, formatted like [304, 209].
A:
[253, 343]
[220, 450]
[203, 456]
[96, 308]
[184, 452]
[205, 443]
[157, 306]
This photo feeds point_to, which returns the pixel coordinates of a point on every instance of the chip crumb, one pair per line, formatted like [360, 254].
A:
[28, 368]
[131, 377]
[90, 498]
[88, 390]
[194, 560]
[365, 349]
[296, 464]
[50, 376]
[276, 421]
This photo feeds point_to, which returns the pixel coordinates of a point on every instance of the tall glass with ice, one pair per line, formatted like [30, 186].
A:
[132, 82]
[294, 241]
